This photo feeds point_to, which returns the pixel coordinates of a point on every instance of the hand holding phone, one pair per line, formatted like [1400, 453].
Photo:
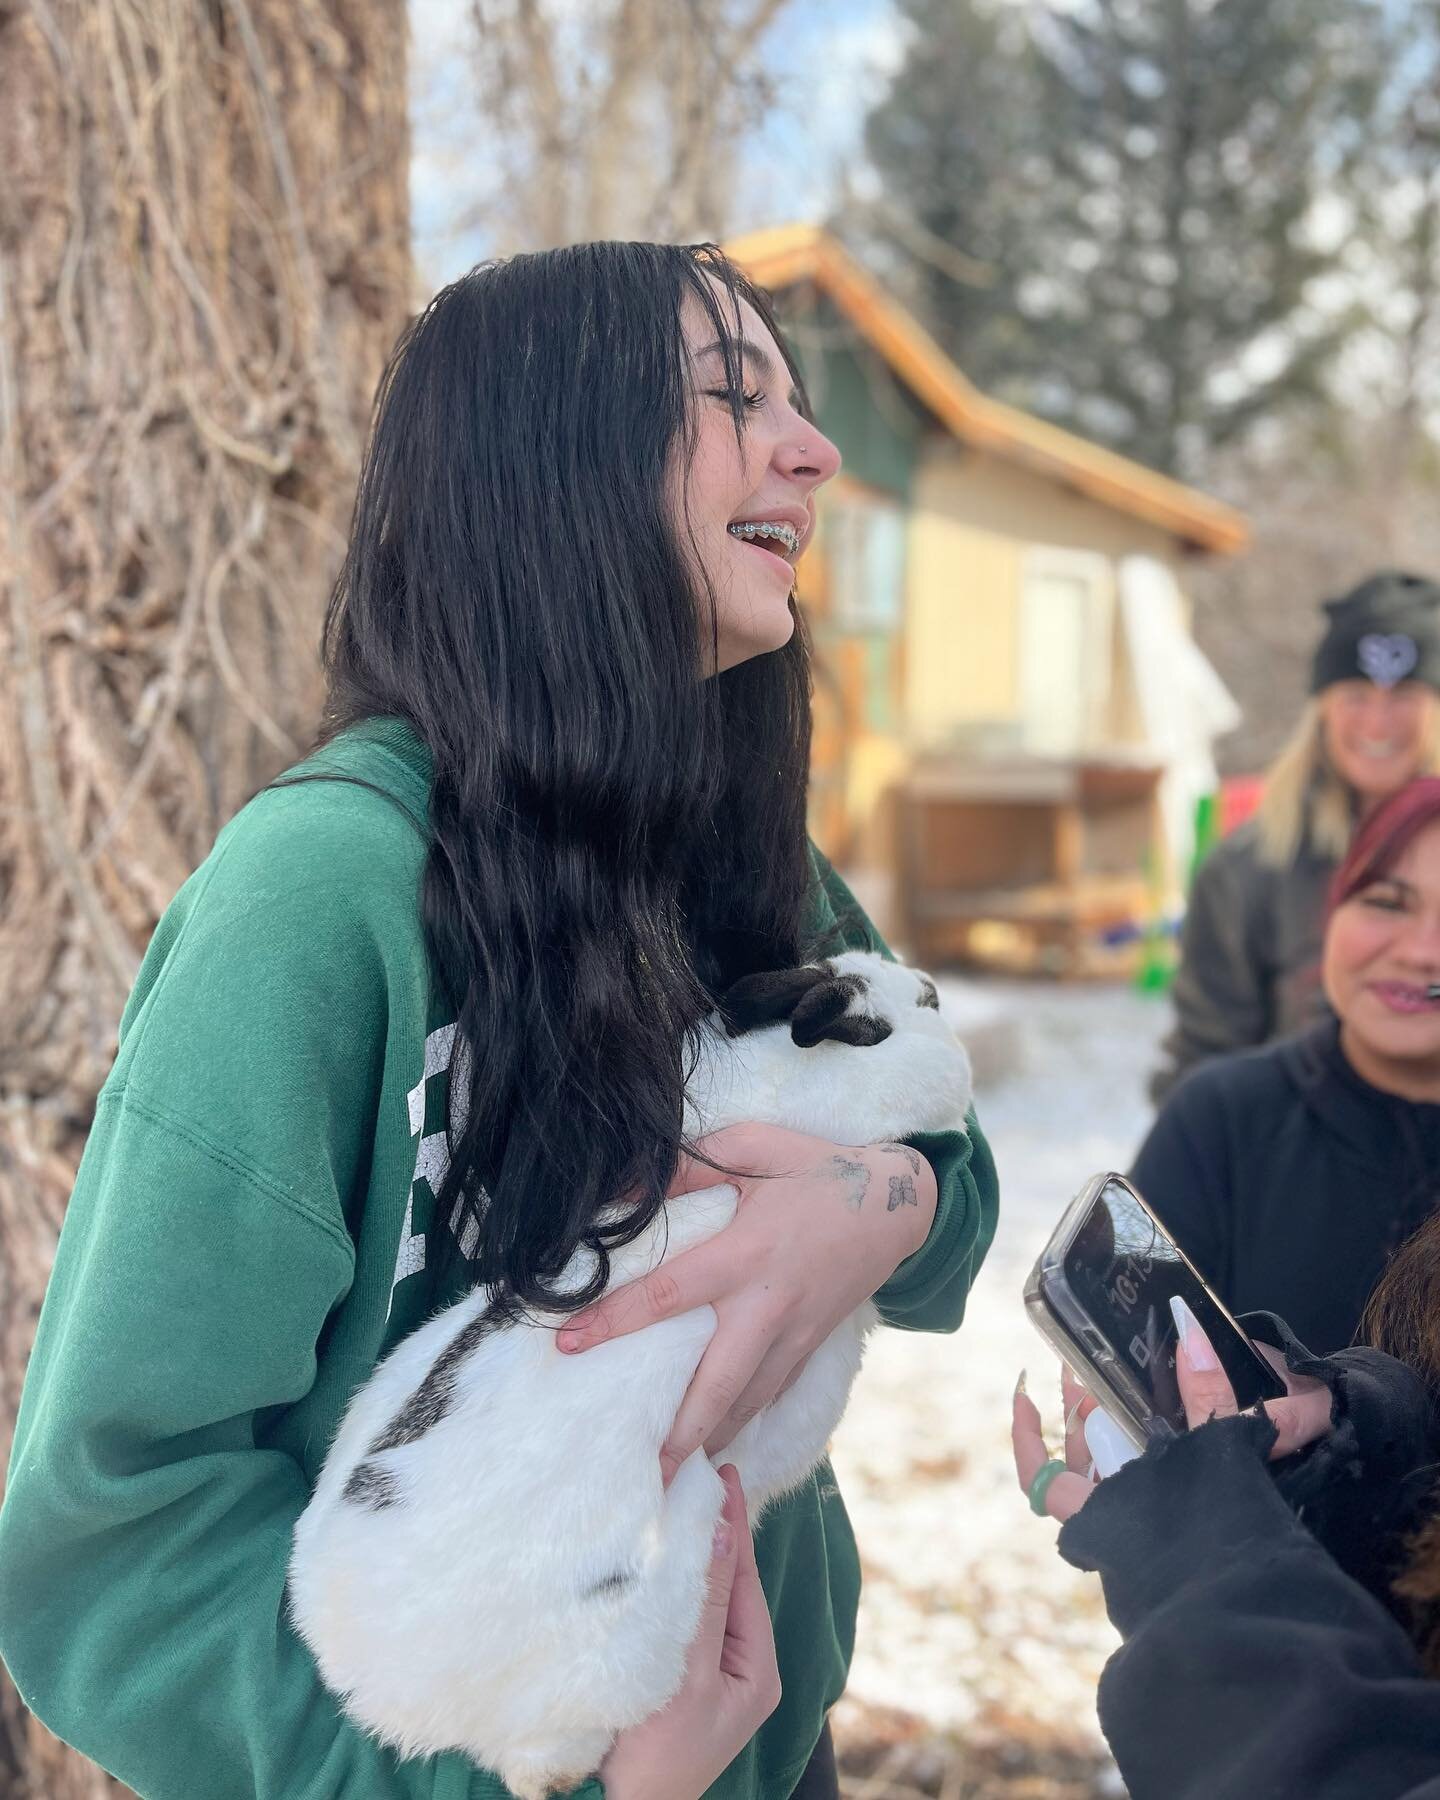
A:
[1096, 1447]
[1108, 1444]
[1100, 1295]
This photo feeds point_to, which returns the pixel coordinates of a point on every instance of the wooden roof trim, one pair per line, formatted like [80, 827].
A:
[789, 254]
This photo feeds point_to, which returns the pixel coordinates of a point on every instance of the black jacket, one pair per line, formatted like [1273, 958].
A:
[1262, 1658]
[1249, 954]
[1289, 1181]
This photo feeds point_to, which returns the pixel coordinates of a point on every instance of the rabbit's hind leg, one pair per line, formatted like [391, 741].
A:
[616, 1652]
[646, 1616]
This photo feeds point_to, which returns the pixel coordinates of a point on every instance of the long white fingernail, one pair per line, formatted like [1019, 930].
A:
[1193, 1341]
[1108, 1444]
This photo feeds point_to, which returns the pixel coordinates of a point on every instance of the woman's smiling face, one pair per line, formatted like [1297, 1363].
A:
[748, 507]
[1382, 955]
[1377, 738]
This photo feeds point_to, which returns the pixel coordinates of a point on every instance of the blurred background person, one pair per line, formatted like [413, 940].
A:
[1290, 1173]
[1251, 942]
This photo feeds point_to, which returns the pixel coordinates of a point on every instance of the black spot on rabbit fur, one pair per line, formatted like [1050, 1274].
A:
[929, 994]
[614, 1583]
[430, 1402]
[370, 1485]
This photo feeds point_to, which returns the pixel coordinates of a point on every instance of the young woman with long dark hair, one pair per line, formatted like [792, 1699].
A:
[421, 1020]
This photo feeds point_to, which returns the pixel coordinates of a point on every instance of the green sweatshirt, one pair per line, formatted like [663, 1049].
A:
[253, 1227]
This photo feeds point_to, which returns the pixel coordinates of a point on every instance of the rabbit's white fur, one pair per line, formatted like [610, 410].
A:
[505, 1575]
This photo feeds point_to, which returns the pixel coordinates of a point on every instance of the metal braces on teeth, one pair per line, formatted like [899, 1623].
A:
[786, 534]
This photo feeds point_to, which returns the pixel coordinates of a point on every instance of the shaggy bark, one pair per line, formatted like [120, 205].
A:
[204, 258]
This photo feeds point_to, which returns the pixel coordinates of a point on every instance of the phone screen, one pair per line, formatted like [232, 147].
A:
[1123, 1269]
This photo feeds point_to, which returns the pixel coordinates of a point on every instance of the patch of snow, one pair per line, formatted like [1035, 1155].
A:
[968, 1616]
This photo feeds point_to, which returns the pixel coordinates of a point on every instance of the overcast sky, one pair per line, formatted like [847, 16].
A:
[830, 59]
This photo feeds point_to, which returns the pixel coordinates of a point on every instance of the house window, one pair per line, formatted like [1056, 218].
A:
[1065, 629]
[865, 554]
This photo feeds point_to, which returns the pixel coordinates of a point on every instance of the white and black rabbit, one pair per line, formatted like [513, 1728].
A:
[489, 1562]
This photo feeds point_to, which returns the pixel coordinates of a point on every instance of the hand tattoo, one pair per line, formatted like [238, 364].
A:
[857, 1177]
[902, 1192]
[911, 1156]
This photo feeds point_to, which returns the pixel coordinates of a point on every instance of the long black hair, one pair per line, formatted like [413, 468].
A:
[613, 837]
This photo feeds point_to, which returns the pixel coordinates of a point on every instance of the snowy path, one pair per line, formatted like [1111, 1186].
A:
[970, 1624]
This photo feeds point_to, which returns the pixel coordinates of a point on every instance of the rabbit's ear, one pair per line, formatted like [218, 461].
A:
[823, 1014]
[757, 1000]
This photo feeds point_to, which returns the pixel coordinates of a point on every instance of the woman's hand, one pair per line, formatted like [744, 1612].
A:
[1067, 1493]
[819, 1228]
[732, 1684]
[1299, 1418]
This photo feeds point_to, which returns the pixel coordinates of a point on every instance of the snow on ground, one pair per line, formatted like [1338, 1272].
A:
[970, 1623]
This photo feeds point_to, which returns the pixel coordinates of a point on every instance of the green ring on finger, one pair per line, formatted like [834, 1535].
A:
[1040, 1485]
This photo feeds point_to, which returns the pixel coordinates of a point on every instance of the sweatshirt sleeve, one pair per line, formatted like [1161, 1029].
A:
[1366, 1487]
[153, 1489]
[146, 1529]
[1252, 1664]
[1222, 994]
[929, 1289]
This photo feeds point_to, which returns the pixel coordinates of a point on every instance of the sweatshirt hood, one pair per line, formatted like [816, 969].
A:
[1365, 1119]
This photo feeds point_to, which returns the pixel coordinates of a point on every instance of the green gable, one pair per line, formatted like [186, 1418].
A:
[875, 421]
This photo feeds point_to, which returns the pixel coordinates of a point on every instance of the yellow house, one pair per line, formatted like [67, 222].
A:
[1000, 629]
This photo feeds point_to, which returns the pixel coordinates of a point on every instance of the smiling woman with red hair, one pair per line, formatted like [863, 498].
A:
[1291, 1173]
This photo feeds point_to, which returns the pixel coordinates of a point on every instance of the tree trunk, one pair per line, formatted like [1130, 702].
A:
[204, 260]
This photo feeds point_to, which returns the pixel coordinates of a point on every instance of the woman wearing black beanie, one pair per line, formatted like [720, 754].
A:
[1249, 967]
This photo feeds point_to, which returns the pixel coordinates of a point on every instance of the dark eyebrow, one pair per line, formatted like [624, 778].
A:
[750, 352]
[759, 359]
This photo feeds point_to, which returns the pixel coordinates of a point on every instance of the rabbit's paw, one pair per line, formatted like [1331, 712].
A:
[555, 1768]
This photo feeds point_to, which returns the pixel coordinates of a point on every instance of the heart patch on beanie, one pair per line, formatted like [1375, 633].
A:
[1387, 660]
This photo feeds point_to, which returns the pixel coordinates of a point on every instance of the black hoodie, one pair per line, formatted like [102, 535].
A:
[1265, 1656]
[1289, 1181]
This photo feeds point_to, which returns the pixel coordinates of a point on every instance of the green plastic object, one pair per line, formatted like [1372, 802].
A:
[1207, 829]
[1158, 955]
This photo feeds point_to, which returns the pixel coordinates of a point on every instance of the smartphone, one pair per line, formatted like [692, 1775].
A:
[1100, 1297]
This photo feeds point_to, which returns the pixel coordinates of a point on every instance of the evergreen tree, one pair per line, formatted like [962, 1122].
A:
[1394, 257]
[1156, 199]
[953, 144]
